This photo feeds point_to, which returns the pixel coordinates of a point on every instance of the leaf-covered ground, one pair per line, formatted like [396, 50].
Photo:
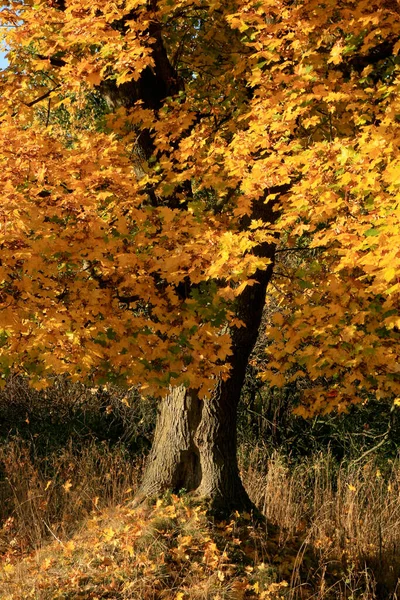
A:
[171, 550]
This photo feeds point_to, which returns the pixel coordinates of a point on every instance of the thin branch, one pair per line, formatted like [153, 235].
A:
[52, 533]
[300, 248]
[278, 289]
[48, 113]
[257, 414]
[280, 274]
[43, 97]
[33, 102]
[383, 440]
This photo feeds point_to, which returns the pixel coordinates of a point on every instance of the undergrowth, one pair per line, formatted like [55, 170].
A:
[68, 470]
[171, 550]
[332, 532]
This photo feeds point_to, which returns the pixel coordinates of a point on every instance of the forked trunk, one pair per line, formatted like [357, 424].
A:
[194, 446]
[195, 441]
[194, 449]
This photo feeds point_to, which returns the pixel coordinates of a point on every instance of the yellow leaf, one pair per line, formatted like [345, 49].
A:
[336, 54]
[125, 401]
[244, 285]
[46, 564]
[8, 568]
[108, 534]
[278, 319]
[67, 486]
[40, 385]
[94, 78]
[70, 546]
[389, 273]
[124, 77]
[220, 575]
[396, 48]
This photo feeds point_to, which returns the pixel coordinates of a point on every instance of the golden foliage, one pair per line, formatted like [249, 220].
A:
[303, 94]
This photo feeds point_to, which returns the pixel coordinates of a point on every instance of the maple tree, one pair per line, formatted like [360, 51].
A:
[153, 156]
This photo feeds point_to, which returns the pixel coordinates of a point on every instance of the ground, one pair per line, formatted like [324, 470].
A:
[169, 550]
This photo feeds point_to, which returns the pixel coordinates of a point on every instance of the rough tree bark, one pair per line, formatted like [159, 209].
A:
[195, 442]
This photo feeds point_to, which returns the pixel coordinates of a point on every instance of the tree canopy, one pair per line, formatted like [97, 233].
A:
[149, 149]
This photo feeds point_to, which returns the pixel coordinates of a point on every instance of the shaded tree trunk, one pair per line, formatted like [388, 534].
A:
[194, 449]
[195, 442]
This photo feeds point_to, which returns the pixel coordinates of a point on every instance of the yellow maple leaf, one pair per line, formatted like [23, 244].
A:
[336, 54]
[125, 401]
[94, 78]
[108, 534]
[8, 568]
[69, 546]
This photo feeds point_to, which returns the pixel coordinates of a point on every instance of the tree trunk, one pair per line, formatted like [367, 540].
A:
[194, 449]
[195, 441]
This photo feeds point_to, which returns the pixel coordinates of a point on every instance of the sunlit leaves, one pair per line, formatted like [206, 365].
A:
[123, 258]
[171, 541]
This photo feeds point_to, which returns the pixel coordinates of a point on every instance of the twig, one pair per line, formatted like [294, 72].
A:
[298, 248]
[52, 533]
[48, 113]
[383, 440]
[33, 102]
[43, 97]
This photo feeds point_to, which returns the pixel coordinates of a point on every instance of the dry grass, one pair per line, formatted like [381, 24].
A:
[348, 514]
[54, 470]
[337, 534]
[333, 530]
[168, 551]
[50, 497]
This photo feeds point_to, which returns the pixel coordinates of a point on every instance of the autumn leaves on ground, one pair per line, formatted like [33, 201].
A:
[69, 529]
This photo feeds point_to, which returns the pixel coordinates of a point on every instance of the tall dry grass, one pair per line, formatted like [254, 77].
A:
[64, 452]
[349, 514]
[43, 498]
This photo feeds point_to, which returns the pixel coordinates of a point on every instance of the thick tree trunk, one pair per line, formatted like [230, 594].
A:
[194, 449]
[195, 441]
